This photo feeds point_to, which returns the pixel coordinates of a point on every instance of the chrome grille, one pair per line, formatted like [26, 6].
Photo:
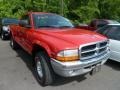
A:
[92, 50]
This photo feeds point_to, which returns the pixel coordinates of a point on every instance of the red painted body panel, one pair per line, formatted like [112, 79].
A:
[52, 40]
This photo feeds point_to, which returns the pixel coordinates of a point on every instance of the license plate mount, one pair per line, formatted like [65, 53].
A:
[96, 69]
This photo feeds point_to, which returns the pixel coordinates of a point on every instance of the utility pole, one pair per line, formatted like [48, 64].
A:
[44, 5]
[62, 7]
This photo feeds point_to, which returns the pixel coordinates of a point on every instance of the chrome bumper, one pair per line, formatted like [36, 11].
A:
[75, 68]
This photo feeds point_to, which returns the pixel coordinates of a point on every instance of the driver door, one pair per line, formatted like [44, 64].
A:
[26, 35]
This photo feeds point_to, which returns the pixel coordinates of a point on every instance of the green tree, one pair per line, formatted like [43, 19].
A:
[76, 10]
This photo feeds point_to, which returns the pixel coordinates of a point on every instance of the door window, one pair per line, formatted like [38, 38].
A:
[26, 18]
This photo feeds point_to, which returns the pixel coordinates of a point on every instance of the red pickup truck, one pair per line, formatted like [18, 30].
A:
[58, 47]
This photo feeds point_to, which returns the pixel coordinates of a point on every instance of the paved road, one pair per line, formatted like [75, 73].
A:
[16, 74]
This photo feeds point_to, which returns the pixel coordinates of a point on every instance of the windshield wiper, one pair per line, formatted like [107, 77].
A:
[54, 26]
[65, 27]
[46, 26]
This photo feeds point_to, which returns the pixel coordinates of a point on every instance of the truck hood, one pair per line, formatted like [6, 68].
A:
[73, 35]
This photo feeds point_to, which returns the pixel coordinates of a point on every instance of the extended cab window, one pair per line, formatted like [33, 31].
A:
[114, 33]
[50, 20]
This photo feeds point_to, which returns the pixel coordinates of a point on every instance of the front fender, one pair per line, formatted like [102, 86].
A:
[43, 45]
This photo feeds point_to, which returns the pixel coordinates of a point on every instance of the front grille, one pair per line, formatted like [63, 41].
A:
[93, 50]
[90, 47]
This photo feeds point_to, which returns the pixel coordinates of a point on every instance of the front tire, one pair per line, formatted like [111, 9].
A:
[43, 70]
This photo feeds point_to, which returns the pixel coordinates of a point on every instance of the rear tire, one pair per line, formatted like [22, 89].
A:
[13, 44]
[3, 36]
[43, 70]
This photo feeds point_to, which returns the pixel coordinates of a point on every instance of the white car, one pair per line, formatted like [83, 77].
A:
[112, 31]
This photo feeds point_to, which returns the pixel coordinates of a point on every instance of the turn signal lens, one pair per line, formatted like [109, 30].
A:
[65, 59]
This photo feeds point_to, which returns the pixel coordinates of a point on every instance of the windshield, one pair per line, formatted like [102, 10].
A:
[51, 20]
[102, 29]
[7, 21]
[107, 28]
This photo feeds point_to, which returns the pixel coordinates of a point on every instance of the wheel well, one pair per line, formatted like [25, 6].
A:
[37, 48]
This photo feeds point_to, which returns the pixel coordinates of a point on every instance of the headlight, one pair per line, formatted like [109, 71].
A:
[68, 55]
[5, 28]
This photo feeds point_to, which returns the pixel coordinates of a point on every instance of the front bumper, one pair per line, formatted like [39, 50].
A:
[75, 68]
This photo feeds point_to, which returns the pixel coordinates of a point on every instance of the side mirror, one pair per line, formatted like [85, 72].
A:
[24, 23]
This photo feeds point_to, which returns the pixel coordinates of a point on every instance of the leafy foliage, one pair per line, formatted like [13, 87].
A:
[76, 10]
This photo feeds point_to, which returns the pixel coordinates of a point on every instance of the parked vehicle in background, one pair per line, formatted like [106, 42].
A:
[112, 31]
[4, 27]
[98, 23]
[58, 47]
